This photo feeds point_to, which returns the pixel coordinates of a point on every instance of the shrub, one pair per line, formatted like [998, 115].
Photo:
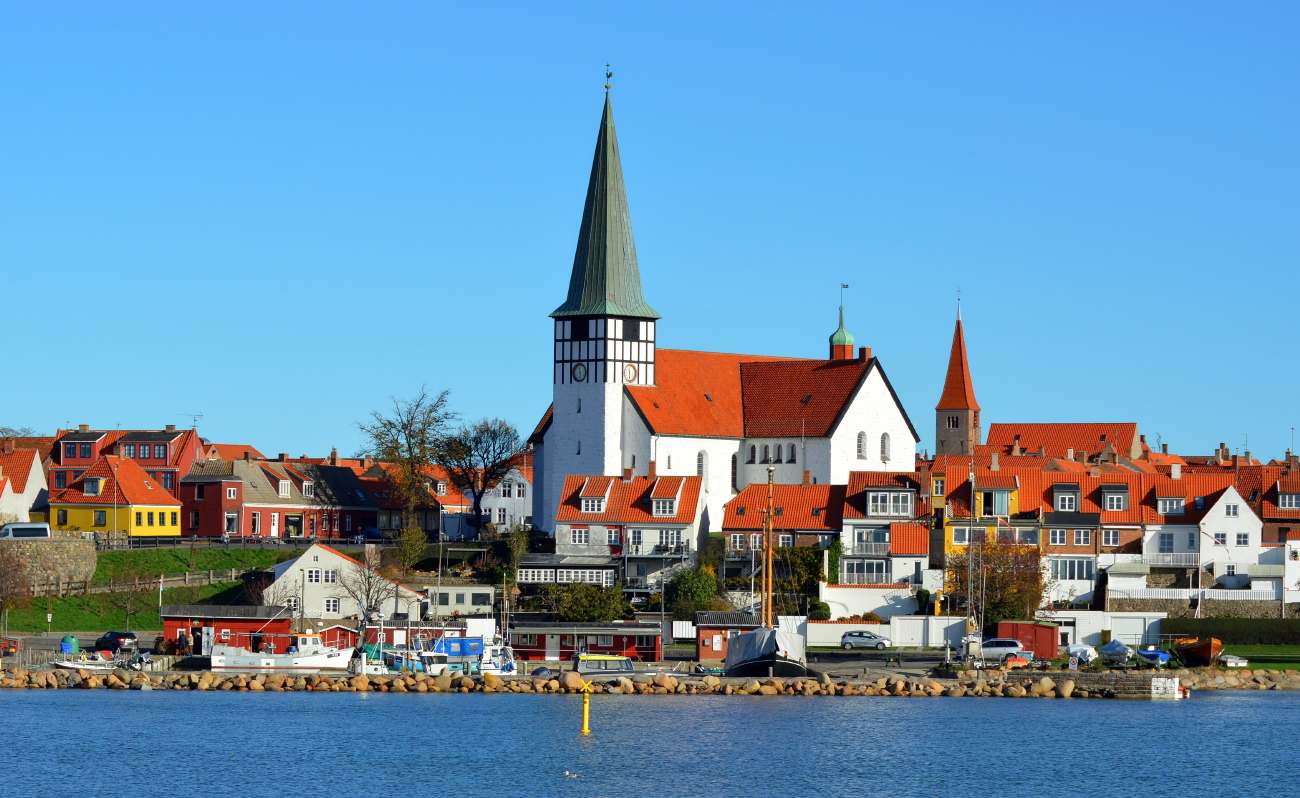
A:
[1237, 631]
[922, 601]
[819, 611]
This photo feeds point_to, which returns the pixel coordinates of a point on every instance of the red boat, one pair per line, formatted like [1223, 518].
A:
[1198, 651]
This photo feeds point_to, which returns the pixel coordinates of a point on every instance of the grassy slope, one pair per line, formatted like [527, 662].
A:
[95, 612]
[174, 561]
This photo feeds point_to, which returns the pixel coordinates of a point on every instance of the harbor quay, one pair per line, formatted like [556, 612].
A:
[952, 684]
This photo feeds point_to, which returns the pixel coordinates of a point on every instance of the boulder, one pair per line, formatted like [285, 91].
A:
[442, 681]
[571, 680]
[956, 691]
[463, 683]
[824, 679]
[625, 685]
[1065, 689]
[1043, 685]
[663, 680]
[768, 689]
[491, 680]
[256, 686]
[359, 682]
[1015, 691]
[712, 681]
[752, 686]
[553, 686]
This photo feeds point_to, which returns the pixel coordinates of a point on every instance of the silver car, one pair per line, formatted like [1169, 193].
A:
[998, 649]
[863, 639]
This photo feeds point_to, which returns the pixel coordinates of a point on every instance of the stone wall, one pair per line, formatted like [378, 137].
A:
[1165, 578]
[49, 560]
[1212, 608]
[1118, 682]
[1175, 608]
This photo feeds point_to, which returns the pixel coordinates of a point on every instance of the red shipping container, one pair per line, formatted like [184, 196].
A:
[1040, 638]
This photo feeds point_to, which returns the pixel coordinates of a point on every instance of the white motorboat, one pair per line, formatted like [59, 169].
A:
[306, 654]
[89, 661]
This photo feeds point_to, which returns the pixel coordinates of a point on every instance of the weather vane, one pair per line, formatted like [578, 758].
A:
[608, 75]
[958, 302]
[842, 287]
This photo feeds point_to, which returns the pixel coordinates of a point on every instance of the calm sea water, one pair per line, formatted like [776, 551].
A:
[220, 744]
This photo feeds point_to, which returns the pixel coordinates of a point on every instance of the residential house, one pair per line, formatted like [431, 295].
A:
[427, 510]
[321, 584]
[510, 500]
[886, 537]
[714, 631]
[271, 498]
[22, 483]
[165, 455]
[560, 640]
[115, 496]
[802, 515]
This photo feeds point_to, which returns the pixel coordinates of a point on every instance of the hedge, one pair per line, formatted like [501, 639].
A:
[1237, 631]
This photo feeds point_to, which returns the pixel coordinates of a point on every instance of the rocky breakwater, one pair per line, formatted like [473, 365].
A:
[1238, 679]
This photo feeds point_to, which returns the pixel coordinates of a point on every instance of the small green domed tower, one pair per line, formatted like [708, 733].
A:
[841, 341]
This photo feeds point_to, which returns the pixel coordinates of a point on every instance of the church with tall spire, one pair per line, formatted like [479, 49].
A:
[623, 406]
[957, 416]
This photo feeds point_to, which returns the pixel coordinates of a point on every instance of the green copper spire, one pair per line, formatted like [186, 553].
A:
[841, 337]
[606, 280]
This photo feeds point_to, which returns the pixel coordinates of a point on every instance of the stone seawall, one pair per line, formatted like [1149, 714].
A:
[51, 560]
[1211, 608]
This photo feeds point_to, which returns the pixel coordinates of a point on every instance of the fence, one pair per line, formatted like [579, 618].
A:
[109, 543]
[74, 587]
[1176, 594]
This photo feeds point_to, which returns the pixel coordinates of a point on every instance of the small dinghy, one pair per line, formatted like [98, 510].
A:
[1115, 653]
[1198, 651]
[1153, 656]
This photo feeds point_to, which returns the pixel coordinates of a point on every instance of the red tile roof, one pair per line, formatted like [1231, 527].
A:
[130, 485]
[794, 503]
[909, 538]
[17, 466]
[958, 391]
[232, 451]
[797, 397]
[696, 393]
[539, 432]
[855, 504]
[42, 444]
[1058, 439]
[628, 502]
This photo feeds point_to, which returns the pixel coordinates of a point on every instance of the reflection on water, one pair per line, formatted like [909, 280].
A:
[221, 744]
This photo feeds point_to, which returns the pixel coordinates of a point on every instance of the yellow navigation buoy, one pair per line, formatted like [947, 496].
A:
[586, 707]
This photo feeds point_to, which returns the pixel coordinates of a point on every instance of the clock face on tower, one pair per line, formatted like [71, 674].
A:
[629, 373]
[579, 372]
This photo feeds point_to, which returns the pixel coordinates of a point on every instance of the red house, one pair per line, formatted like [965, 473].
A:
[254, 628]
[544, 640]
[166, 455]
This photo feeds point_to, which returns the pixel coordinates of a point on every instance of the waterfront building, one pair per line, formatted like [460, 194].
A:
[622, 402]
[322, 583]
[802, 516]
[115, 496]
[561, 640]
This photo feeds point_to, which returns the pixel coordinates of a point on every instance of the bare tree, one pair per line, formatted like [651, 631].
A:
[18, 432]
[15, 584]
[369, 589]
[477, 456]
[409, 440]
[132, 591]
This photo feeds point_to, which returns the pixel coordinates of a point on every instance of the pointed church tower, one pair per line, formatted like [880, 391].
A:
[604, 331]
[957, 416]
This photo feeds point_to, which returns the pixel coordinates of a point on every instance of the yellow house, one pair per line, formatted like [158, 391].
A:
[115, 497]
[997, 510]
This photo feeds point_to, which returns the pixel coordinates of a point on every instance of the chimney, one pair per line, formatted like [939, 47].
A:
[627, 475]
[248, 456]
[1042, 451]
[1095, 471]
[83, 428]
[1176, 471]
[334, 455]
[1234, 461]
[1221, 455]
[1081, 456]
[1247, 457]
[864, 354]
[993, 466]
[807, 477]
[171, 427]
[1291, 458]
[1015, 446]
[652, 470]
[9, 447]
[1164, 448]
[117, 450]
[1142, 439]
[284, 457]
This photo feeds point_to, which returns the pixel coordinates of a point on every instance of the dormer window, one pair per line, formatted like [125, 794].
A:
[893, 503]
[996, 503]
[1066, 502]
[1288, 501]
[1172, 506]
[1114, 497]
[593, 505]
[441, 489]
[91, 487]
[284, 488]
[938, 487]
[665, 507]
[308, 490]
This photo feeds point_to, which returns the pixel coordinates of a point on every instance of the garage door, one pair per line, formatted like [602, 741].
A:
[1128, 631]
[908, 630]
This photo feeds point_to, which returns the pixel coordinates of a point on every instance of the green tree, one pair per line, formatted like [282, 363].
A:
[581, 602]
[409, 546]
[408, 441]
[518, 547]
[819, 611]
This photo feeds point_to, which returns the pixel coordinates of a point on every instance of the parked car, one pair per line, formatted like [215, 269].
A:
[24, 530]
[115, 641]
[369, 534]
[998, 649]
[864, 639]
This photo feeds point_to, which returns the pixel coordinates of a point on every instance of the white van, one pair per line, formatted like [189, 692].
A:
[24, 530]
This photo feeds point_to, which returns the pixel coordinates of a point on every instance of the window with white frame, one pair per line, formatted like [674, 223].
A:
[1288, 501]
[785, 541]
[938, 487]
[440, 489]
[1171, 506]
[893, 503]
[501, 515]
[579, 537]
[1110, 537]
[506, 490]
[1165, 543]
[593, 505]
[520, 490]
[862, 446]
[884, 446]
[1220, 538]
[638, 536]
[308, 490]
[960, 535]
[1065, 502]
[332, 606]
[292, 603]
[1056, 537]
[671, 537]
[1230, 569]
[1027, 536]
[665, 507]
[536, 575]
[756, 541]
[1230, 510]
[738, 542]
[330, 576]
[284, 488]
[1115, 502]
[1072, 569]
[611, 536]
[313, 576]
[605, 640]
[1243, 539]
[1191, 541]
[231, 492]
[1083, 537]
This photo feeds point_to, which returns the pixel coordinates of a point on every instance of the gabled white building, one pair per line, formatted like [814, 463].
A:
[315, 585]
[621, 402]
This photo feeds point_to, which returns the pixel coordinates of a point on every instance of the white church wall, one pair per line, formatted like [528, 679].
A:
[586, 442]
[874, 413]
[676, 456]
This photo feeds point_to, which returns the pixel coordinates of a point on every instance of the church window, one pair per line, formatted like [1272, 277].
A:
[791, 458]
[579, 447]
[952, 422]
[752, 453]
[734, 469]
[884, 446]
[579, 404]
[701, 468]
[670, 463]
[862, 446]
[779, 457]
[767, 454]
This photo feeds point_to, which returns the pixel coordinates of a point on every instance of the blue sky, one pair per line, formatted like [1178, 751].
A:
[281, 216]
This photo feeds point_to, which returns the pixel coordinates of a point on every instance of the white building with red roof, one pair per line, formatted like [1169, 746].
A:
[22, 482]
[620, 402]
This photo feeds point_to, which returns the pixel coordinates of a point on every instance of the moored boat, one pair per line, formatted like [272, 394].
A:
[306, 654]
[1115, 653]
[1198, 650]
[766, 652]
[89, 661]
[1153, 656]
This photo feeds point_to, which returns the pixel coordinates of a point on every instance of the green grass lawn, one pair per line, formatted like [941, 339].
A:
[95, 611]
[152, 562]
[1247, 651]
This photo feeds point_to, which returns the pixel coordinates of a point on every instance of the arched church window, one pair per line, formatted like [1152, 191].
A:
[767, 454]
[670, 463]
[952, 422]
[779, 457]
[579, 404]
[734, 470]
[862, 446]
[791, 458]
[752, 453]
[579, 447]
[884, 446]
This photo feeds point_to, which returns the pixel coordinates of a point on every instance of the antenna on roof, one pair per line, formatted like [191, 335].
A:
[195, 418]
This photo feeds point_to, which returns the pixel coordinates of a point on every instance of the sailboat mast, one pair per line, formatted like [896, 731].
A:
[767, 553]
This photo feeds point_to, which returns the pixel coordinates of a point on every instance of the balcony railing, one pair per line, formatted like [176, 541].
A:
[1180, 559]
[864, 579]
[870, 549]
[659, 550]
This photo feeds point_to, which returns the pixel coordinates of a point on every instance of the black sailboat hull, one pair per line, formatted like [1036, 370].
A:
[767, 666]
